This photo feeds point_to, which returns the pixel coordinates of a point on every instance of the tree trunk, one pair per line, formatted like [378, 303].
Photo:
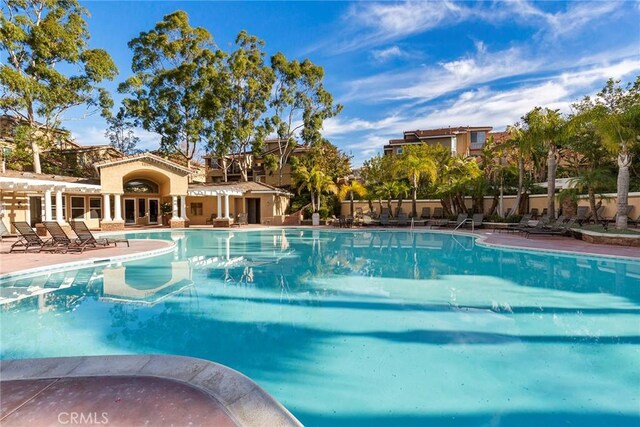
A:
[370, 201]
[351, 197]
[313, 201]
[520, 182]
[494, 205]
[37, 168]
[592, 203]
[400, 200]
[414, 197]
[551, 181]
[624, 162]
[446, 206]
[389, 207]
[224, 168]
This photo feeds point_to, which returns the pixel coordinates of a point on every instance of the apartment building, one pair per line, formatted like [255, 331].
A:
[465, 140]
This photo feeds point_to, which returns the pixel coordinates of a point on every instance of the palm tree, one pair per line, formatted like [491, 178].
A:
[391, 189]
[617, 121]
[415, 162]
[547, 127]
[349, 188]
[322, 183]
[522, 143]
[316, 182]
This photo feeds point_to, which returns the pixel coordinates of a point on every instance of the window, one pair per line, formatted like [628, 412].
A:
[478, 137]
[196, 209]
[399, 150]
[214, 164]
[77, 207]
[55, 210]
[95, 207]
[141, 186]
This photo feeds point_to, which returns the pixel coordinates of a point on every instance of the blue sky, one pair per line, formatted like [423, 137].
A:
[398, 66]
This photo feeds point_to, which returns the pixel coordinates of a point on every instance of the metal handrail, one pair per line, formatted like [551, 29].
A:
[464, 222]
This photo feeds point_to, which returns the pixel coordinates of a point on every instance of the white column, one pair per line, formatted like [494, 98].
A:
[219, 215]
[59, 215]
[48, 213]
[106, 207]
[226, 206]
[117, 208]
[183, 207]
[174, 205]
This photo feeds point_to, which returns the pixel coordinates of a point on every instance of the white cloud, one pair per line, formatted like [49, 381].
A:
[480, 106]
[368, 24]
[383, 55]
[429, 82]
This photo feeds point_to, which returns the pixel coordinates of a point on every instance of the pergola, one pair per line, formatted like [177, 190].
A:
[219, 192]
[47, 188]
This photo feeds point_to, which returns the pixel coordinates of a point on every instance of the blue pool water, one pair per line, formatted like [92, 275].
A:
[362, 328]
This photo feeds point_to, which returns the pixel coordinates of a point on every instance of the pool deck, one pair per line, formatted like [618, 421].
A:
[20, 261]
[154, 390]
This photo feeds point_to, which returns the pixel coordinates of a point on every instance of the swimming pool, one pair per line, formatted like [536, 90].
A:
[361, 328]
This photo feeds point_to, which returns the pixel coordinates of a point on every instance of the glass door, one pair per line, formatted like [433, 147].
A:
[129, 211]
[154, 208]
[35, 210]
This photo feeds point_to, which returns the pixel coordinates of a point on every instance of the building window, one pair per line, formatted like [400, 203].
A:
[478, 137]
[141, 186]
[399, 150]
[95, 207]
[196, 209]
[213, 163]
[55, 210]
[77, 208]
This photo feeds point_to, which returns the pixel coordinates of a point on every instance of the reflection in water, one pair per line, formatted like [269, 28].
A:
[361, 327]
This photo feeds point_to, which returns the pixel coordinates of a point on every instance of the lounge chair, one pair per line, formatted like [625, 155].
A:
[384, 220]
[476, 220]
[426, 213]
[515, 227]
[398, 211]
[534, 213]
[368, 220]
[384, 211]
[462, 218]
[60, 241]
[86, 237]
[556, 230]
[27, 238]
[3, 230]
[403, 220]
[241, 219]
[634, 222]
[438, 213]
[605, 221]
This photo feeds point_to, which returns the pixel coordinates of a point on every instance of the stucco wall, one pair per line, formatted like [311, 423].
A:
[270, 207]
[538, 201]
[112, 177]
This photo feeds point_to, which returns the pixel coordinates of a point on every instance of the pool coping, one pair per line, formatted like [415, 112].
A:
[245, 401]
[96, 261]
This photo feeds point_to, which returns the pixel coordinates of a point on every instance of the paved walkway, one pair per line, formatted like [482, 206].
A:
[566, 244]
[118, 401]
[13, 262]
[133, 390]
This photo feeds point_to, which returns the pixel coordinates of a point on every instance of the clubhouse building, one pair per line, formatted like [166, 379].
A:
[138, 190]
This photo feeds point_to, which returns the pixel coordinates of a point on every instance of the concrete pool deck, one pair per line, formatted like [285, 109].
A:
[20, 261]
[133, 390]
